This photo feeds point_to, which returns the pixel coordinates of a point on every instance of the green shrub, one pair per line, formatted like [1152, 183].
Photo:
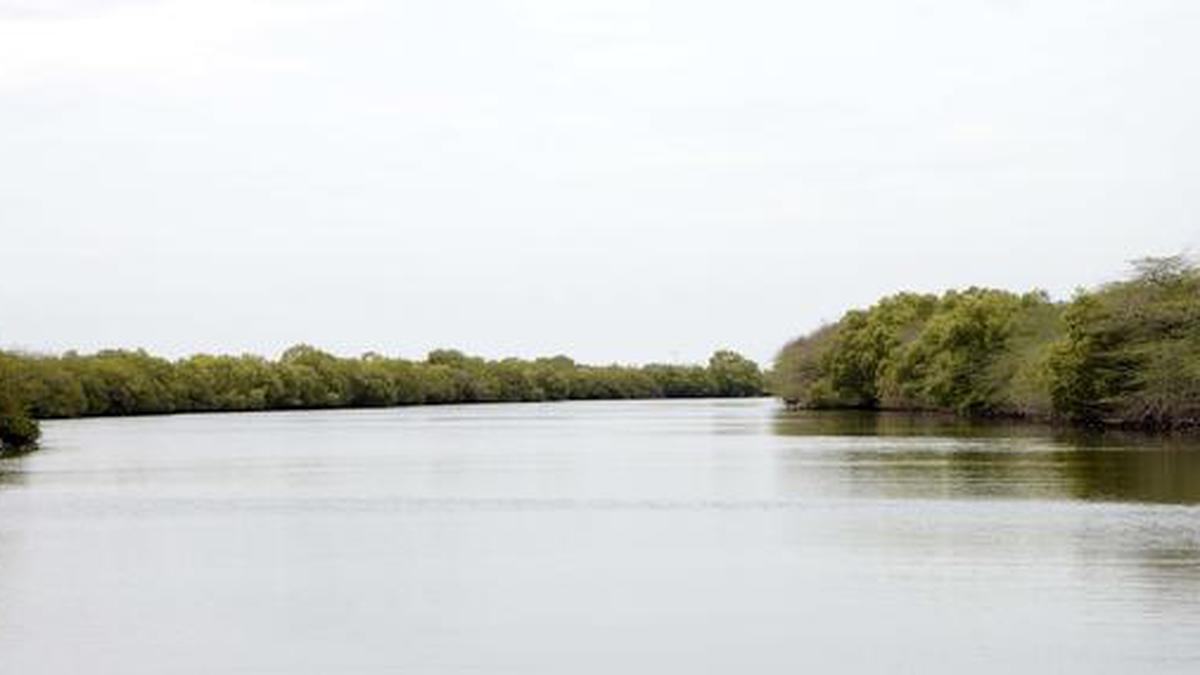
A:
[17, 431]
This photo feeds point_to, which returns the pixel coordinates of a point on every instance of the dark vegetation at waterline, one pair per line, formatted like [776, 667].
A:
[1124, 354]
[17, 430]
[135, 383]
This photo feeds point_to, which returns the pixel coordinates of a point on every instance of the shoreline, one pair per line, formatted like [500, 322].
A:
[437, 404]
[1188, 428]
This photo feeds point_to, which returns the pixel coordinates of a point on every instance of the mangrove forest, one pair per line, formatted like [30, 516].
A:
[124, 382]
[1124, 354]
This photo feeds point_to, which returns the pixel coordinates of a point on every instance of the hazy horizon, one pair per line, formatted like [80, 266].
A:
[615, 181]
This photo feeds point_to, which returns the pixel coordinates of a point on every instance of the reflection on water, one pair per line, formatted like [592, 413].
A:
[916, 456]
[9, 470]
[939, 456]
[596, 537]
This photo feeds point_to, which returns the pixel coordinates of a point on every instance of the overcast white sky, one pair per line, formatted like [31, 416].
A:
[618, 180]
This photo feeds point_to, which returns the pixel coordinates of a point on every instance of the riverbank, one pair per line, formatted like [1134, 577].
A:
[1124, 355]
[122, 382]
[1186, 429]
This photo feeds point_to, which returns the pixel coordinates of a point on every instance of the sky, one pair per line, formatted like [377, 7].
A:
[617, 180]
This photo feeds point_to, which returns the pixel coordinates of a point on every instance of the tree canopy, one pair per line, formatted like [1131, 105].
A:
[133, 382]
[1127, 353]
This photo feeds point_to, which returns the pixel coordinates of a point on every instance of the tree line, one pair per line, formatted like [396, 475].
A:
[1125, 354]
[133, 382]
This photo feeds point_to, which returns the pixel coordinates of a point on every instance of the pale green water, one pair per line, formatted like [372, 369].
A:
[625, 537]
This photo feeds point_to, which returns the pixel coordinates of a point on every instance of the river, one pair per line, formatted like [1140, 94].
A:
[596, 537]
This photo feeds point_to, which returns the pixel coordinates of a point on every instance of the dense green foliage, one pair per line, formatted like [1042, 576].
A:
[1132, 351]
[1127, 353]
[134, 382]
[16, 428]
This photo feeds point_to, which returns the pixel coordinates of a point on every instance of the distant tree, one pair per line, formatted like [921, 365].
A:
[124, 382]
[735, 375]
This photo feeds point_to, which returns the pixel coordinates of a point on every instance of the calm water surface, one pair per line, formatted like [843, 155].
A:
[630, 537]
